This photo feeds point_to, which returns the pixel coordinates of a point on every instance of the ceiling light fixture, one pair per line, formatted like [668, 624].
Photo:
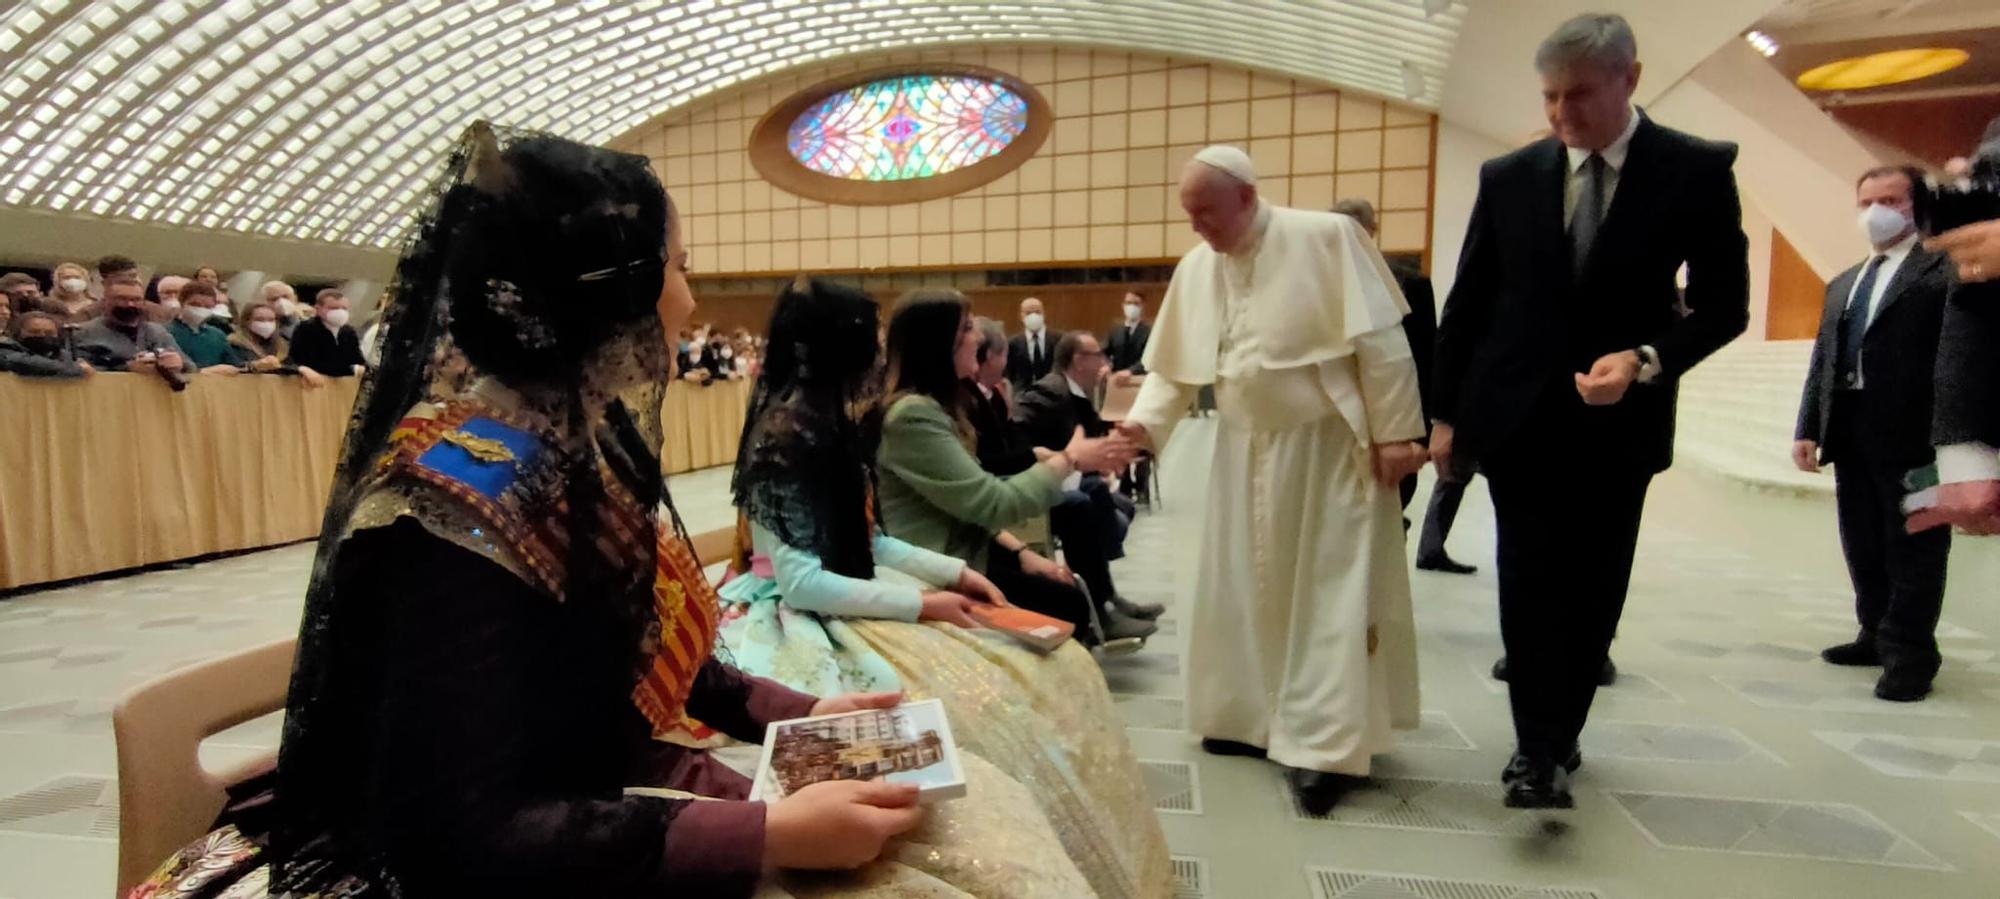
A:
[1879, 69]
[1764, 43]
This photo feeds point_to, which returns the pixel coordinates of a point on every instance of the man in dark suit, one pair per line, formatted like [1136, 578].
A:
[1420, 327]
[1556, 366]
[1125, 346]
[1031, 353]
[1867, 410]
[1088, 521]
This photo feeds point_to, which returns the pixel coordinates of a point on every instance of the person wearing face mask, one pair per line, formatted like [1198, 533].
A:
[167, 294]
[36, 350]
[1867, 410]
[204, 340]
[700, 362]
[328, 344]
[1031, 353]
[22, 293]
[285, 301]
[123, 340]
[1125, 345]
[72, 293]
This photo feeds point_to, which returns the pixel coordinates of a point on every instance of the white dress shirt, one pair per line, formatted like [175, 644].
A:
[1887, 273]
[1614, 161]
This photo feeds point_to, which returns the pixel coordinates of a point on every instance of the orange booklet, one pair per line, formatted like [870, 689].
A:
[1035, 629]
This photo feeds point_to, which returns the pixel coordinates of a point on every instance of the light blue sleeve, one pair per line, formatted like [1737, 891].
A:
[806, 585]
[933, 568]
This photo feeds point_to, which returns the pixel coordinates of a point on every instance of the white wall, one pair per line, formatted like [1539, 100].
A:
[1460, 151]
[1797, 164]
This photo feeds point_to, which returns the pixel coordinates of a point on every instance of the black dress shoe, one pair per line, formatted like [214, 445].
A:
[1144, 611]
[1858, 654]
[1445, 564]
[1320, 791]
[1500, 670]
[1214, 746]
[1517, 766]
[1533, 783]
[1574, 761]
[1609, 674]
[1903, 684]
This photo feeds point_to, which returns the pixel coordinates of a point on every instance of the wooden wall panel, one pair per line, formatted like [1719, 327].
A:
[1797, 294]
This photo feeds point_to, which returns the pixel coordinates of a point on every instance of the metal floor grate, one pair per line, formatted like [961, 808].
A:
[1176, 786]
[1330, 883]
[1190, 877]
[73, 806]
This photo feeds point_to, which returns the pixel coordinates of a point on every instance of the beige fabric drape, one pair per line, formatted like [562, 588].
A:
[117, 471]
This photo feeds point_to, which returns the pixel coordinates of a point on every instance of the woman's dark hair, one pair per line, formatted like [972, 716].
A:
[923, 350]
[804, 468]
[552, 255]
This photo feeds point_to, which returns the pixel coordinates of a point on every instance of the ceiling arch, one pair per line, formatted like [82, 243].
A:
[322, 120]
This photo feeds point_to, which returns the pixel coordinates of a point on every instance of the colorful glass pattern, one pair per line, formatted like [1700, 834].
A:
[907, 127]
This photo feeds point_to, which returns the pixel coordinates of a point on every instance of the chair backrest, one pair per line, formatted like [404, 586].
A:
[165, 798]
[713, 546]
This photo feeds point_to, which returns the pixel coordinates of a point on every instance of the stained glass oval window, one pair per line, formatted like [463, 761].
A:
[907, 127]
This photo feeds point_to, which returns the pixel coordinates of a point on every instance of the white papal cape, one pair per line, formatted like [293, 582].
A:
[1302, 640]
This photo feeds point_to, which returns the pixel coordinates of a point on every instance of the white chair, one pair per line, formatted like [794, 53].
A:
[166, 798]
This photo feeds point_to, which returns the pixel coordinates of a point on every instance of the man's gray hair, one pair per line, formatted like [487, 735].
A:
[1603, 40]
[1358, 209]
[992, 338]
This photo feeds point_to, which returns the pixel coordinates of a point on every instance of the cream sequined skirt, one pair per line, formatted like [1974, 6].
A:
[1048, 723]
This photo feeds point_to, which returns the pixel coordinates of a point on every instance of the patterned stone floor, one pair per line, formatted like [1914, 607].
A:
[1728, 763]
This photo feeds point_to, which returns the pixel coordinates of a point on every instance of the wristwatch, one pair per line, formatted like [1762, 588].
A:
[1649, 364]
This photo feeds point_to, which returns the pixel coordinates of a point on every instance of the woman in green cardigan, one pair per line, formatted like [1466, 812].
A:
[934, 495]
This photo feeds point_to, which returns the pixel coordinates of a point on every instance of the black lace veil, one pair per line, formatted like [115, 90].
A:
[804, 466]
[537, 263]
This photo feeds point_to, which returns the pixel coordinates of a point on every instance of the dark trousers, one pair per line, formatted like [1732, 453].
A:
[1566, 539]
[1037, 594]
[1086, 521]
[1438, 519]
[1898, 576]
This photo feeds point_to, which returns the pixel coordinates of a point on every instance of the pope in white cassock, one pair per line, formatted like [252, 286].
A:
[1302, 647]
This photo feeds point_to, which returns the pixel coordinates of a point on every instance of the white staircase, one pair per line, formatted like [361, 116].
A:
[1737, 413]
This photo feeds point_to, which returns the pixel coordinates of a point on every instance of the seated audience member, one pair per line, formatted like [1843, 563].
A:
[167, 292]
[935, 495]
[1089, 521]
[37, 348]
[260, 349]
[123, 340]
[474, 719]
[281, 297]
[699, 363]
[201, 338]
[23, 293]
[829, 605]
[328, 344]
[71, 291]
[990, 410]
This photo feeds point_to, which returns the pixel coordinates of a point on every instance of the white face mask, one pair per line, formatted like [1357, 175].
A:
[171, 304]
[285, 307]
[220, 311]
[195, 315]
[1882, 224]
[74, 285]
[728, 354]
[335, 318]
[264, 329]
[1033, 320]
[1132, 311]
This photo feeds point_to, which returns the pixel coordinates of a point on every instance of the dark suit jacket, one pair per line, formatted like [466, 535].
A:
[1125, 346]
[1019, 371]
[1001, 450]
[1968, 367]
[323, 351]
[1898, 361]
[1518, 325]
[1047, 414]
[1420, 326]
